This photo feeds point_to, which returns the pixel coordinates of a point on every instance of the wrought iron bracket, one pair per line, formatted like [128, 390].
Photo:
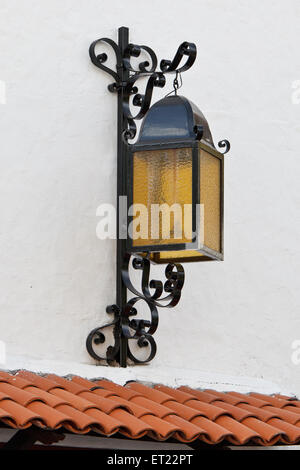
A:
[131, 335]
[182, 61]
[154, 293]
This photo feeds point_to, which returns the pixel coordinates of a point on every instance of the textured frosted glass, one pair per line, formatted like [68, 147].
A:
[162, 177]
[210, 197]
[179, 254]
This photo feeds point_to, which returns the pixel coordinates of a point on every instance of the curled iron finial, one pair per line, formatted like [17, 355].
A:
[224, 144]
[188, 49]
[134, 50]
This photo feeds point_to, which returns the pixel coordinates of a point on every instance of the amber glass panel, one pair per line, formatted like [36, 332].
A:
[210, 198]
[179, 254]
[162, 177]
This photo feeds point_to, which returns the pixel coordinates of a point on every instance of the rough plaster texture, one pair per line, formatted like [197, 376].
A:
[58, 163]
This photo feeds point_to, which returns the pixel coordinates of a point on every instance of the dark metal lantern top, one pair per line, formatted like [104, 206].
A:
[173, 119]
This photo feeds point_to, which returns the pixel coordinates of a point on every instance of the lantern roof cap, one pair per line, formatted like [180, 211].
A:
[174, 119]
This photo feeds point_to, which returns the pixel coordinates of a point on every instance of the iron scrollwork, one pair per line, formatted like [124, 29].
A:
[155, 294]
[224, 144]
[146, 68]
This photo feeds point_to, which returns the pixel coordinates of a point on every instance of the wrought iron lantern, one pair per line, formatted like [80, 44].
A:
[176, 174]
[172, 179]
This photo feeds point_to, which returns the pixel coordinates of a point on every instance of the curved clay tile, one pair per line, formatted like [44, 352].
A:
[227, 398]
[266, 432]
[22, 397]
[188, 431]
[51, 418]
[38, 381]
[131, 426]
[279, 403]
[162, 430]
[107, 405]
[158, 410]
[215, 432]
[152, 393]
[240, 434]
[200, 395]
[209, 411]
[68, 385]
[21, 415]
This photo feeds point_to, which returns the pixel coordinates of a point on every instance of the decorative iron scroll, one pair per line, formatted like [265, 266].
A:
[146, 68]
[224, 143]
[155, 294]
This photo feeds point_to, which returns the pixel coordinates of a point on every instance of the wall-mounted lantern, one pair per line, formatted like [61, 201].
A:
[173, 181]
[175, 171]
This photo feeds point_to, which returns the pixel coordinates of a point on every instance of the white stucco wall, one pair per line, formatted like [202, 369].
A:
[58, 163]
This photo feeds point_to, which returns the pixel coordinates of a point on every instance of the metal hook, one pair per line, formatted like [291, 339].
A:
[176, 84]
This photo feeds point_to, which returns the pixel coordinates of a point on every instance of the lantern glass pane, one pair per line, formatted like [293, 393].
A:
[179, 255]
[210, 199]
[162, 197]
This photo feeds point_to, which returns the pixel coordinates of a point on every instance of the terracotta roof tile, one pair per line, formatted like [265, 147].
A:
[136, 410]
[106, 424]
[240, 434]
[74, 400]
[234, 411]
[210, 411]
[118, 390]
[260, 413]
[158, 410]
[151, 393]
[46, 397]
[227, 398]
[183, 411]
[21, 415]
[278, 402]
[292, 432]
[283, 413]
[20, 396]
[214, 432]
[88, 384]
[38, 381]
[15, 380]
[51, 417]
[292, 408]
[177, 395]
[132, 426]
[293, 402]
[104, 393]
[7, 418]
[107, 405]
[162, 429]
[82, 421]
[188, 431]
[251, 400]
[284, 397]
[200, 395]
[267, 433]
[69, 385]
